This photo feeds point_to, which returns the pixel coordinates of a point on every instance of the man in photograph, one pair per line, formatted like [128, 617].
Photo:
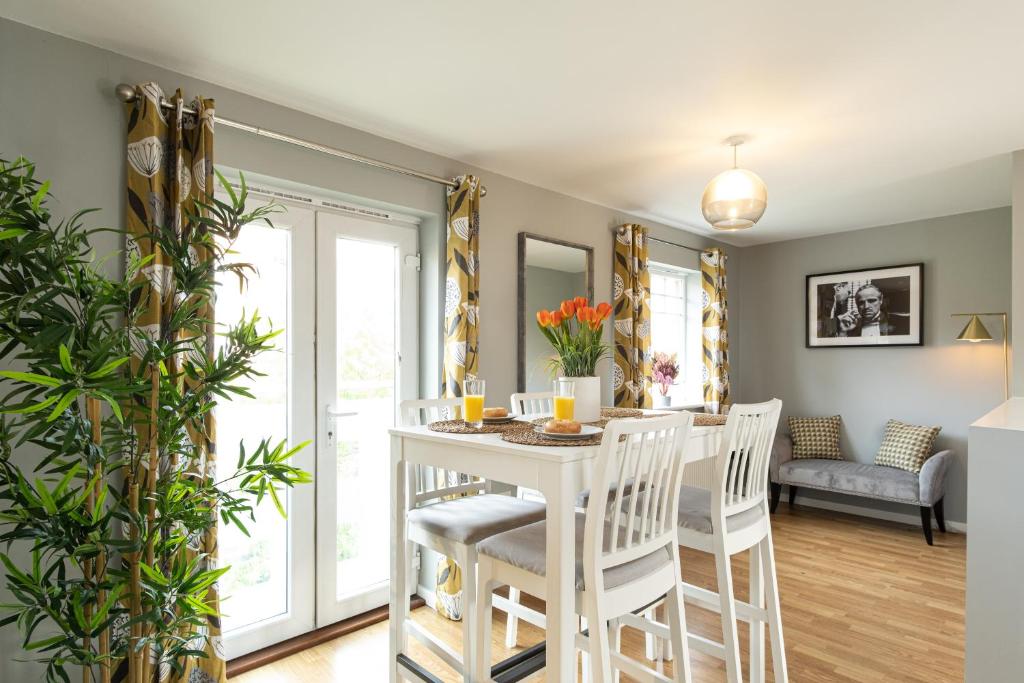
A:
[868, 317]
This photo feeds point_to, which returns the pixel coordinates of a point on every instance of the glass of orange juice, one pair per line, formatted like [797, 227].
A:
[473, 402]
[564, 399]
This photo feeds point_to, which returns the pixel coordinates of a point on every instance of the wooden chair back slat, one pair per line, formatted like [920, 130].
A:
[533, 403]
[741, 471]
[431, 484]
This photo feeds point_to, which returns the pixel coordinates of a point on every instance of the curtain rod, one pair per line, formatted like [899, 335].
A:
[658, 239]
[126, 93]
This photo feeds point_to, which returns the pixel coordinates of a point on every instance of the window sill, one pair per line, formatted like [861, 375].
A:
[698, 407]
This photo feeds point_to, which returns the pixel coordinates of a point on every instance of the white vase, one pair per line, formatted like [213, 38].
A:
[663, 401]
[588, 398]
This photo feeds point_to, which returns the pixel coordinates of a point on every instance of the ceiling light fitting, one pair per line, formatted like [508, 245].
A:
[734, 199]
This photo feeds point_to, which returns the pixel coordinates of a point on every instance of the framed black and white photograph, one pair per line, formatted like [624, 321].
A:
[867, 307]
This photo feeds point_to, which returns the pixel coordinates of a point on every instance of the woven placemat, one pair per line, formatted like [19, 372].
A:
[528, 437]
[607, 414]
[460, 427]
[708, 420]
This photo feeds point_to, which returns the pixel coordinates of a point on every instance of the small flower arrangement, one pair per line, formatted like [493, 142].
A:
[665, 370]
[574, 330]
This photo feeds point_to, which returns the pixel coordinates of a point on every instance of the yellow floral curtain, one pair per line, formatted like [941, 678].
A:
[715, 337]
[631, 294]
[461, 341]
[170, 166]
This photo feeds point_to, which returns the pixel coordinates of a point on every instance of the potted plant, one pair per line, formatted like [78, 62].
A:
[665, 370]
[108, 465]
[575, 331]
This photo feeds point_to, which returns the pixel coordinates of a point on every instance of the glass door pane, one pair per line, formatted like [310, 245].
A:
[265, 597]
[366, 356]
[366, 374]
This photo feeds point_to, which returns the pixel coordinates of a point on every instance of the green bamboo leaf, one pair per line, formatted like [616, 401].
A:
[277, 501]
[65, 360]
[35, 407]
[31, 378]
[63, 404]
[37, 199]
[108, 368]
[44, 495]
[11, 233]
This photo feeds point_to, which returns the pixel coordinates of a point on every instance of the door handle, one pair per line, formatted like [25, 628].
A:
[332, 415]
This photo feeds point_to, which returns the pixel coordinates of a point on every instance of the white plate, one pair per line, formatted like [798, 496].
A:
[585, 432]
[500, 420]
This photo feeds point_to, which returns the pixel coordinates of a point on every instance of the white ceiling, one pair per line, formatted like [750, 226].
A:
[859, 113]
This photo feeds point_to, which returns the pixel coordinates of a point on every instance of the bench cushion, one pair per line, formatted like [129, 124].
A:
[873, 481]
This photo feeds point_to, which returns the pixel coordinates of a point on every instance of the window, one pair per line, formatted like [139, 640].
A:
[676, 328]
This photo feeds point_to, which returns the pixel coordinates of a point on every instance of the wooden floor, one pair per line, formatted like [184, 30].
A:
[862, 600]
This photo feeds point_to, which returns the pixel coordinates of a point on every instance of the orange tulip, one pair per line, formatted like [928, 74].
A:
[543, 318]
[580, 301]
[581, 314]
[604, 309]
[595, 322]
[556, 318]
[568, 308]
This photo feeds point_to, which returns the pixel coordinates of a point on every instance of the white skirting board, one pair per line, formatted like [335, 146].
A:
[911, 519]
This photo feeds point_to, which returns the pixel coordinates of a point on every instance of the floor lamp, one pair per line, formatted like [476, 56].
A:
[975, 331]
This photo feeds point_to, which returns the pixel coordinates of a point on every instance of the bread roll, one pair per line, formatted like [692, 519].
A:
[562, 427]
[495, 412]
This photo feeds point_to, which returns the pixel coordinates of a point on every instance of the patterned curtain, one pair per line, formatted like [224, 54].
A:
[462, 286]
[461, 341]
[631, 293]
[170, 166]
[715, 338]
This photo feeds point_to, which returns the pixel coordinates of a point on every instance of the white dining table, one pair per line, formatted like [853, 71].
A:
[559, 473]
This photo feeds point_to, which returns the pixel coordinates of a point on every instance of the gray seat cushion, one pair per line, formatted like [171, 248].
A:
[874, 481]
[695, 512]
[525, 548]
[470, 519]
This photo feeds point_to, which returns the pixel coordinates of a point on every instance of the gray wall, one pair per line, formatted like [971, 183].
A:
[948, 383]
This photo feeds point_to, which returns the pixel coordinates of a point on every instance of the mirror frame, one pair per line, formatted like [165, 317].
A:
[521, 296]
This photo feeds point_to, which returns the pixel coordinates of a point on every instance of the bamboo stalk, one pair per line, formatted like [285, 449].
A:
[100, 571]
[135, 605]
[88, 566]
[154, 461]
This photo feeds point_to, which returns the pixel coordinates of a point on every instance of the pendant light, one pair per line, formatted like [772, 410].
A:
[734, 199]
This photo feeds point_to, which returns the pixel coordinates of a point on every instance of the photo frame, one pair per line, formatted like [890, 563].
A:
[867, 307]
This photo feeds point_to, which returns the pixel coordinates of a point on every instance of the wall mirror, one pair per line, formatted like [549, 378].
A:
[550, 270]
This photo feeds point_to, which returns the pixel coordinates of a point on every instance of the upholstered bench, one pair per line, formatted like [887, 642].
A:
[924, 489]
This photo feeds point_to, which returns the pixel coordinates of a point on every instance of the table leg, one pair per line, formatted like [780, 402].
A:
[398, 609]
[560, 496]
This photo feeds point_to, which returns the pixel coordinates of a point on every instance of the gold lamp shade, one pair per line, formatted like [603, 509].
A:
[734, 199]
[974, 331]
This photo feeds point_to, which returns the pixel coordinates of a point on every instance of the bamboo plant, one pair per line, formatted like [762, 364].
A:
[105, 478]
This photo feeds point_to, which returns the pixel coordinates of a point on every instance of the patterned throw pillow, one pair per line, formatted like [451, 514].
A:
[815, 437]
[906, 446]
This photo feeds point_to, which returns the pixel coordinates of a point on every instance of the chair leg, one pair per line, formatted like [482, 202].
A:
[792, 495]
[615, 643]
[774, 611]
[600, 648]
[926, 523]
[512, 621]
[726, 596]
[482, 621]
[940, 514]
[681, 670]
[469, 599]
[756, 674]
[651, 645]
[776, 495]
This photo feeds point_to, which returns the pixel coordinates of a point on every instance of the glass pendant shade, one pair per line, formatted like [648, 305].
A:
[974, 331]
[734, 200]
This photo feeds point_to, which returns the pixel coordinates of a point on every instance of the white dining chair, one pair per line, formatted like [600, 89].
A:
[533, 403]
[626, 556]
[728, 519]
[450, 513]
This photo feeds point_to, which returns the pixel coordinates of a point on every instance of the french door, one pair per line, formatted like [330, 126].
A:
[366, 364]
[344, 289]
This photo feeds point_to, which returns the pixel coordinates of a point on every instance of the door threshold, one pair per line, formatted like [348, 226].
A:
[286, 648]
